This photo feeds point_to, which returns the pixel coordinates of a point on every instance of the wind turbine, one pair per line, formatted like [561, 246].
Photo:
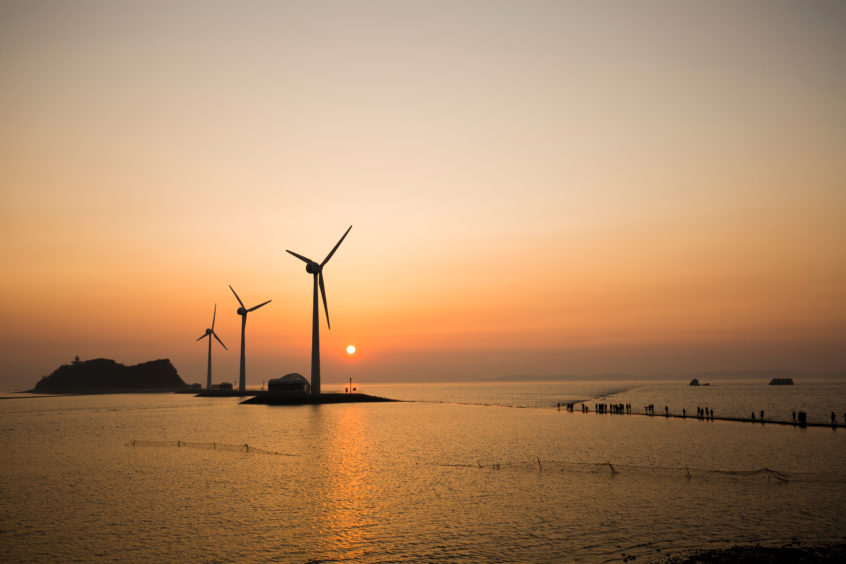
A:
[210, 333]
[317, 270]
[243, 311]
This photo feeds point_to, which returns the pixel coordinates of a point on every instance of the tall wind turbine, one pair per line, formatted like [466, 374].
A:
[243, 311]
[210, 333]
[317, 270]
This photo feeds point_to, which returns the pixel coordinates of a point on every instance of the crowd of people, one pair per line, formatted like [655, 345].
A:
[615, 408]
[704, 413]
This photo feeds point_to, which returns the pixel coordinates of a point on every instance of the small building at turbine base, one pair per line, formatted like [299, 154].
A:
[293, 383]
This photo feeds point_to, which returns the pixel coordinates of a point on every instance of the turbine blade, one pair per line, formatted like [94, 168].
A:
[213, 316]
[323, 293]
[301, 257]
[335, 248]
[236, 297]
[258, 306]
[201, 337]
[218, 340]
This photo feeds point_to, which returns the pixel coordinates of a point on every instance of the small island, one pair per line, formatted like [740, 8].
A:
[103, 375]
[290, 389]
[781, 382]
[294, 389]
[277, 398]
[695, 382]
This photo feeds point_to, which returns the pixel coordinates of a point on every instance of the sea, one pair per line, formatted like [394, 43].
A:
[457, 472]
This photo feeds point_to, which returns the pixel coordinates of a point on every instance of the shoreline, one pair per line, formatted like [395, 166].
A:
[92, 392]
[790, 553]
[263, 397]
[711, 419]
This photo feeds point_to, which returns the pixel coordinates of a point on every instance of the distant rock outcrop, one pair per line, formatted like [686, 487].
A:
[781, 382]
[106, 375]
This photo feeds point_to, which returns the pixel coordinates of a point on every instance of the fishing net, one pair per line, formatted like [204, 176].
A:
[613, 469]
[245, 448]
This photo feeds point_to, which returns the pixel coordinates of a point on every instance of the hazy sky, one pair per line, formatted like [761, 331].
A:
[535, 187]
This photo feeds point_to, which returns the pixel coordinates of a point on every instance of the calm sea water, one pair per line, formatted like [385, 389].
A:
[459, 475]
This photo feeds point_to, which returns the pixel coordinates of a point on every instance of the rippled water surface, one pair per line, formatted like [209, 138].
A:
[456, 477]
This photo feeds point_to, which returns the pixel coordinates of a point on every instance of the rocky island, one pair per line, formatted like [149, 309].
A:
[103, 375]
[781, 382]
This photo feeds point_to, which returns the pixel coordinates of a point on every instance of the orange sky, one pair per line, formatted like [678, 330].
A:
[535, 187]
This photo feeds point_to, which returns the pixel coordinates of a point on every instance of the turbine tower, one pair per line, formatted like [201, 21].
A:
[317, 271]
[243, 311]
[210, 333]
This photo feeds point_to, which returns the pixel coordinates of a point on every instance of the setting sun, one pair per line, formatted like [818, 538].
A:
[351, 349]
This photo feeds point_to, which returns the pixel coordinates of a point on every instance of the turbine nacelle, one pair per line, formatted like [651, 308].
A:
[209, 332]
[243, 311]
[317, 270]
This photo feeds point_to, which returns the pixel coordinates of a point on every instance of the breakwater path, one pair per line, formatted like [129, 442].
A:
[649, 411]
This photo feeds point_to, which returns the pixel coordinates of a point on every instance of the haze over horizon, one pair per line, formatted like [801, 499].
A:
[534, 187]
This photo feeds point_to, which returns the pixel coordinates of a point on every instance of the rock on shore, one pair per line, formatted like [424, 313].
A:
[788, 554]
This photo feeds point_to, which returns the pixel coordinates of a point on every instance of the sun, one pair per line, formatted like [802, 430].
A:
[351, 349]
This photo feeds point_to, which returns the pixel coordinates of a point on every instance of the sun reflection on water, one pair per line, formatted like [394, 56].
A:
[347, 508]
